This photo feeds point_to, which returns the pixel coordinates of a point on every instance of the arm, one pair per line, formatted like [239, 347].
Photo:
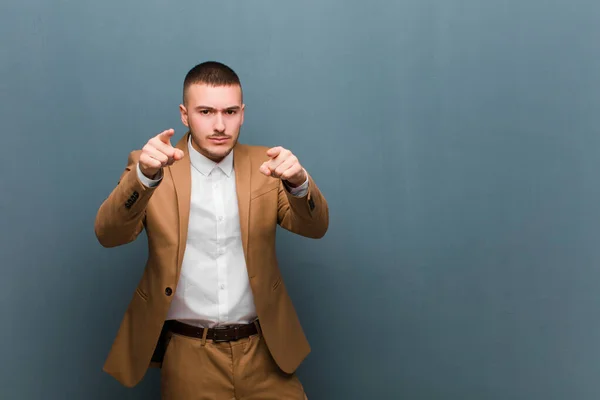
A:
[120, 218]
[307, 215]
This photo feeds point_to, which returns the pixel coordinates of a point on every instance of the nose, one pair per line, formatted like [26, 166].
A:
[219, 123]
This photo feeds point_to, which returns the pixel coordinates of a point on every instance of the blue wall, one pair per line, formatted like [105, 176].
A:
[456, 141]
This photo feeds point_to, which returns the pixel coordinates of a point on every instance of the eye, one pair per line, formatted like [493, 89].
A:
[204, 112]
[231, 112]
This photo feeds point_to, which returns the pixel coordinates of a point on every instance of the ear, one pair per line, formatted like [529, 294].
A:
[184, 115]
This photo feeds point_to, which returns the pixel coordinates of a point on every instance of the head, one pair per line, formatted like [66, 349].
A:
[212, 108]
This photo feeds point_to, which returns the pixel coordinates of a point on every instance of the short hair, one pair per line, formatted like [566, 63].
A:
[212, 73]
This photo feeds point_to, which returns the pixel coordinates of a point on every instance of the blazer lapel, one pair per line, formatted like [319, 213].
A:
[243, 169]
[182, 180]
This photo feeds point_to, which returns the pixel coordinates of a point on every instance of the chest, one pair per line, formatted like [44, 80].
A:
[214, 209]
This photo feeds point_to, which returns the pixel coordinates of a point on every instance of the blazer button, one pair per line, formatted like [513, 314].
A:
[168, 291]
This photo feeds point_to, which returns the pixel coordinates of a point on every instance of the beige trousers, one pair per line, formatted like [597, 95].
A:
[196, 369]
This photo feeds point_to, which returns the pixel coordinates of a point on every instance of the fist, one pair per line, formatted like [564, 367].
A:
[158, 153]
[284, 165]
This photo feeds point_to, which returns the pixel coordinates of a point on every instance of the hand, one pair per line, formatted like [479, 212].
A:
[284, 165]
[158, 153]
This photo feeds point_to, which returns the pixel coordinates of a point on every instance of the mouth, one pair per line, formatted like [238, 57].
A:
[219, 139]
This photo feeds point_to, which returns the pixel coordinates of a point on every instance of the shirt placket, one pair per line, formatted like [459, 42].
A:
[222, 284]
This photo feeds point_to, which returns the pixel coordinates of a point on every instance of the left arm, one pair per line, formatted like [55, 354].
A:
[301, 207]
[307, 215]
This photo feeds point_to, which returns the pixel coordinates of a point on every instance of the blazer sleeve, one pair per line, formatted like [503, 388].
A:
[306, 216]
[121, 217]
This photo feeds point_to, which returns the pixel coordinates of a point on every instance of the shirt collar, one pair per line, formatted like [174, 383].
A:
[205, 165]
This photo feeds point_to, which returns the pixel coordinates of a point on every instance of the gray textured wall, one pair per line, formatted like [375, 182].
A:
[456, 142]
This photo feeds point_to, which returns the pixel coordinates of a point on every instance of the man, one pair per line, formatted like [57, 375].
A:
[211, 309]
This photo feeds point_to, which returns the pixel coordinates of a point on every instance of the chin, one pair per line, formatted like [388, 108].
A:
[219, 152]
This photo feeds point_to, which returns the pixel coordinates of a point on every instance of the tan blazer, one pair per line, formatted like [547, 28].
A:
[163, 211]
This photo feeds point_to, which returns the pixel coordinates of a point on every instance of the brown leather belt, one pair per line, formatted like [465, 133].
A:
[218, 334]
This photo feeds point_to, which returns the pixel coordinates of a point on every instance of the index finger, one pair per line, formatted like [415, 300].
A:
[274, 151]
[165, 136]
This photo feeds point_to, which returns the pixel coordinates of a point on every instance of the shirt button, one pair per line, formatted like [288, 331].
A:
[222, 287]
[168, 291]
[220, 218]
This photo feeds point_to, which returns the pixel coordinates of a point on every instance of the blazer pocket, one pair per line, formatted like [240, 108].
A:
[264, 190]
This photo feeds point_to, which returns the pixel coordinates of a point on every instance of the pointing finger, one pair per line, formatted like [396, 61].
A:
[274, 151]
[165, 136]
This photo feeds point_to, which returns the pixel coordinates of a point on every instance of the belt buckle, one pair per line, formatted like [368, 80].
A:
[236, 335]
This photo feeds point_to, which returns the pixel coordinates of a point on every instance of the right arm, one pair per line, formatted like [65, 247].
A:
[121, 216]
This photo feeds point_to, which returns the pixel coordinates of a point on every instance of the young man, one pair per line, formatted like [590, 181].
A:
[211, 309]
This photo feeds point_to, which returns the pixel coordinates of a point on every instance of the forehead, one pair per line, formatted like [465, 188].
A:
[213, 96]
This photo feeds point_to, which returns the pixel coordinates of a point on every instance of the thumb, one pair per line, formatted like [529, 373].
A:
[264, 169]
[178, 155]
[274, 151]
[165, 136]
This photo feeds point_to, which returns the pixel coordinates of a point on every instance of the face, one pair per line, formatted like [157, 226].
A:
[214, 115]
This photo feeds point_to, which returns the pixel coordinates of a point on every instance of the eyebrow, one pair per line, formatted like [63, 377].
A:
[233, 108]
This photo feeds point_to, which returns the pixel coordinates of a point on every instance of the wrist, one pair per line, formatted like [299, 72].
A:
[150, 173]
[298, 181]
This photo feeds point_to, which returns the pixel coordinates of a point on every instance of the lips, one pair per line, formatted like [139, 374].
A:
[218, 140]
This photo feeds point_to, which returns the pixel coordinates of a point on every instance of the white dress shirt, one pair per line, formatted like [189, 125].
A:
[213, 287]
